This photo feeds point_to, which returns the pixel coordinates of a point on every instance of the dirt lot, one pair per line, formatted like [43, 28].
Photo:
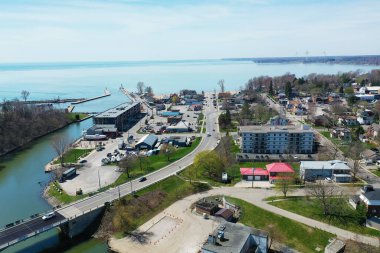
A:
[176, 229]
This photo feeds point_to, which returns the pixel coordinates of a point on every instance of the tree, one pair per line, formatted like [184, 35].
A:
[221, 85]
[128, 163]
[149, 91]
[351, 100]
[288, 90]
[349, 91]
[326, 195]
[140, 87]
[209, 163]
[225, 152]
[355, 169]
[25, 94]
[271, 91]
[245, 112]
[358, 131]
[283, 183]
[60, 145]
[168, 150]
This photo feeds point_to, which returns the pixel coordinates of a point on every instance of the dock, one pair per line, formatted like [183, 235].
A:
[106, 94]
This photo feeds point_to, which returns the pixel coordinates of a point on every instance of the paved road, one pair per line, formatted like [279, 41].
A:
[256, 196]
[34, 226]
[207, 143]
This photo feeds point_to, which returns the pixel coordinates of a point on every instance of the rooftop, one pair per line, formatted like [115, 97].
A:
[372, 195]
[257, 172]
[279, 168]
[116, 111]
[269, 128]
[149, 139]
[235, 236]
[328, 165]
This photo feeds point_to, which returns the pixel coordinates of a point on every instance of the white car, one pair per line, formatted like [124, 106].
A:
[48, 216]
[208, 134]
[329, 180]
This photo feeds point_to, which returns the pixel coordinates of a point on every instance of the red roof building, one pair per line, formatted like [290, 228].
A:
[259, 174]
[275, 169]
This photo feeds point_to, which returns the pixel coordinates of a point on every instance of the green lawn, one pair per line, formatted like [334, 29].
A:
[72, 155]
[310, 208]
[296, 235]
[72, 116]
[376, 172]
[155, 162]
[141, 208]
[233, 171]
[343, 146]
[62, 196]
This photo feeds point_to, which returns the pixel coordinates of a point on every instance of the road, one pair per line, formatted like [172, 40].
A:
[33, 226]
[207, 143]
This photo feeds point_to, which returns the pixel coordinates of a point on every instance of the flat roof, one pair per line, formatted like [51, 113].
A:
[235, 237]
[327, 165]
[281, 129]
[117, 110]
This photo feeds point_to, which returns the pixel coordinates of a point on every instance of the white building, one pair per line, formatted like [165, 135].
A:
[336, 170]
[276, 139]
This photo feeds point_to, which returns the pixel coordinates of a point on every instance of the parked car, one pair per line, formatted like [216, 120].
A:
[142, 179]
[328, 180]
[83, 161]
[48, 216]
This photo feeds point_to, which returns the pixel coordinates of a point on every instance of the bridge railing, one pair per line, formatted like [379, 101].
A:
[36, 232]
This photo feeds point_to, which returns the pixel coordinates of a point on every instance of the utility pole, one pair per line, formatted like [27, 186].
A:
[99, 179]
[118, 189]
[253, 172]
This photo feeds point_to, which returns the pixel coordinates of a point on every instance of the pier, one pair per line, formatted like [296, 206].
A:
[106, 94]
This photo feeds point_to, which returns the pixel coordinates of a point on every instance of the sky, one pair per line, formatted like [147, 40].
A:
[129, 30]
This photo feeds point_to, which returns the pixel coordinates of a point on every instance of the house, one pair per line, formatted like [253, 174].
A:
[278, 121]
[206, 206]
[223, 95]
[370, 197]
[230, 237]
[257, 174]
[279, 170]
[369, 156]
[341, 133]
[348, 120]
[337, 170]
[180, 127]
[147, 142]
[365, 117]
[373, 130]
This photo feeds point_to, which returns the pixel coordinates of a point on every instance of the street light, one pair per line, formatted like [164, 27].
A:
[253, 172]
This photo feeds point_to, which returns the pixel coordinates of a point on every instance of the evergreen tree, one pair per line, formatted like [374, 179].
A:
[288, 90]
[271, 92]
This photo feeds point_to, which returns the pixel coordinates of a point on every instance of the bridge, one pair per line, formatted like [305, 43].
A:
[74, 218]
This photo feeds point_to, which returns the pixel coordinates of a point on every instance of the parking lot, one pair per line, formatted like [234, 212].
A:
[275, 157]
[159, 122]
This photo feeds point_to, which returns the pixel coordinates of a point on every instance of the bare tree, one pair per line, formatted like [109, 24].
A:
[140, 87]
[60, 145]
[25, 94]
[326, 194]
[128, 163]
[168, 150]
[221, 85]
[149, 91]
[283, 183]
[355, 169]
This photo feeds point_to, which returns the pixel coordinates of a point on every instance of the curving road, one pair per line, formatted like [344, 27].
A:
[98, 200]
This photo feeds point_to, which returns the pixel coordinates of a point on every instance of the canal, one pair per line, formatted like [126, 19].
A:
[22, 181]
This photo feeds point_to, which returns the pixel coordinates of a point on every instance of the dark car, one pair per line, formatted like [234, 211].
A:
[142, 179]
[83, 161]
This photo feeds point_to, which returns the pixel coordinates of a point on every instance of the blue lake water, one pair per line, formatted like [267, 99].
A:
[21, 173]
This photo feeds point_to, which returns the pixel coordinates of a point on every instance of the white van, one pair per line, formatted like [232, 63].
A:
[48, 216]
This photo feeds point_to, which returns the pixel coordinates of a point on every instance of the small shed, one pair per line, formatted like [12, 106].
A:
[225, 213]
[206, 206]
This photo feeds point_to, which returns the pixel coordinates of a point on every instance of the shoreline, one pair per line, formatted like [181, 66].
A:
[19, 148]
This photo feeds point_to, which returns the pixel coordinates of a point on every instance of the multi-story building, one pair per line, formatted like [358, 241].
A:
[118, 117]
[276, 139]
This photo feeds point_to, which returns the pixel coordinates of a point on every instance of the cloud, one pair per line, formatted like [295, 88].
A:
[137, 30]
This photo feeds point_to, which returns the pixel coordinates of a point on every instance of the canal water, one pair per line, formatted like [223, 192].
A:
[22, 181]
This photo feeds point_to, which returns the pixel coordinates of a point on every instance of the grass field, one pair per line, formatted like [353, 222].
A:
[62, 196]
[153, 200]
[73, 116]
[72, 155]
[152, 163]
[296, 235]
[310, 208]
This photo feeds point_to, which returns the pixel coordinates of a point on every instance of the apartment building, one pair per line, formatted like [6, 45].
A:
[276, 139]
